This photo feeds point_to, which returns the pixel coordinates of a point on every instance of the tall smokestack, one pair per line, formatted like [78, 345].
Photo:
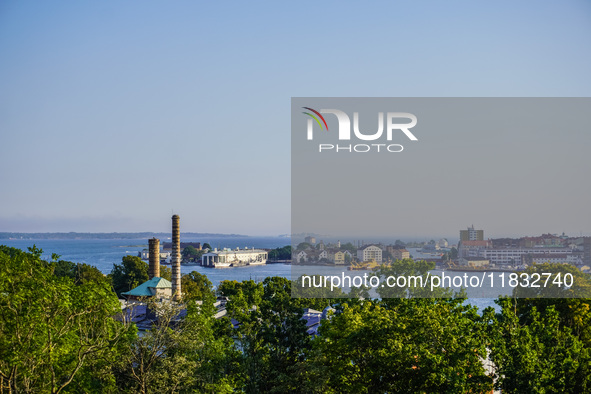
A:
[154, 248]
[176, 257]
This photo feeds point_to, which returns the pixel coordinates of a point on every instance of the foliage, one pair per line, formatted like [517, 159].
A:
[271, 335]
[283, 253]
[80, 272]
[58, 334]
[207, 246]
[453, 253]
[191, 254]
[408, 268]
[303, 246]
[165, 272]
[196, 286]
[131, 273]
[313, 288]
[417, 345]
[539, 357]
[350, 247]
[55, 334]
[178, 354]
[573, 306]
[549, 287]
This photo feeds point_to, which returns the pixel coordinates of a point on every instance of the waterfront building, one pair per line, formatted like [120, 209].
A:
[561, 258]
[164, 256]
[399, 254]
[369, 253]
[234, 258]
[316, 255]
[514, 256]
[473, 248]
[336, 256]
[310, 240]
[301, 257]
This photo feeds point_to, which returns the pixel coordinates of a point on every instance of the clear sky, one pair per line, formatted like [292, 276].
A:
[114, 114]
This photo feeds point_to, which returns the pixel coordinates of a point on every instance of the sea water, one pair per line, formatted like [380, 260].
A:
[104, 253]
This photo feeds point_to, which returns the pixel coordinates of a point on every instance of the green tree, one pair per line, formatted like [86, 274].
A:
[408, 268]
[541, 356]
[63, 268]
[283, 253]
[55, 335]
[196, 286]
[350, 247]
[272, 334]
[79, 272]
[304, 246]
[316, 291]
[453, 253]
[415, 346]
[348, 259]
[131, 273]
[386, 256]
[179, 355]
[165, 272]
[191, 254]
[207, 246]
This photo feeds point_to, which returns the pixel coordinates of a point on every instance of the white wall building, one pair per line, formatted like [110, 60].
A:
[369, 253]
[237, 257]
[301, 256]
[164, 256]
[514, 256]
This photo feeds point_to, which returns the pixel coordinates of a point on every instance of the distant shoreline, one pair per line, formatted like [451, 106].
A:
[139, 235]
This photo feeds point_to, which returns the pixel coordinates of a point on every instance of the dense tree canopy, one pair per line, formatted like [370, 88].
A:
[55, 335]
[190, 253]
[61, 330]
[417, 345]
[196, 286]
[283, 253]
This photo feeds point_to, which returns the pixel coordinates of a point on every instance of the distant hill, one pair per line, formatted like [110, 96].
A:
[73, 235]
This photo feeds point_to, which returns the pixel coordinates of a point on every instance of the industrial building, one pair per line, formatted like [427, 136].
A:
[234, 258]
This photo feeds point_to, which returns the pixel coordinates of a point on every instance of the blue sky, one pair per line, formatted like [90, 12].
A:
[114, 114]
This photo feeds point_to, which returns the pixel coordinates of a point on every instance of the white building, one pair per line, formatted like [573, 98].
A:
[301, 256]
[370, 253]
[164, 256]
[513, 256]
[234, 258]
[562, 258]
[473, 248]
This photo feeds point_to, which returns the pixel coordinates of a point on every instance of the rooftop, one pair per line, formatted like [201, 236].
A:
[143, 290]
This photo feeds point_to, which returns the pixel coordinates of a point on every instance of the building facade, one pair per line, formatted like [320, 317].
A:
[399, 254]
[470, 234]
[370, 253]
[234, 258]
